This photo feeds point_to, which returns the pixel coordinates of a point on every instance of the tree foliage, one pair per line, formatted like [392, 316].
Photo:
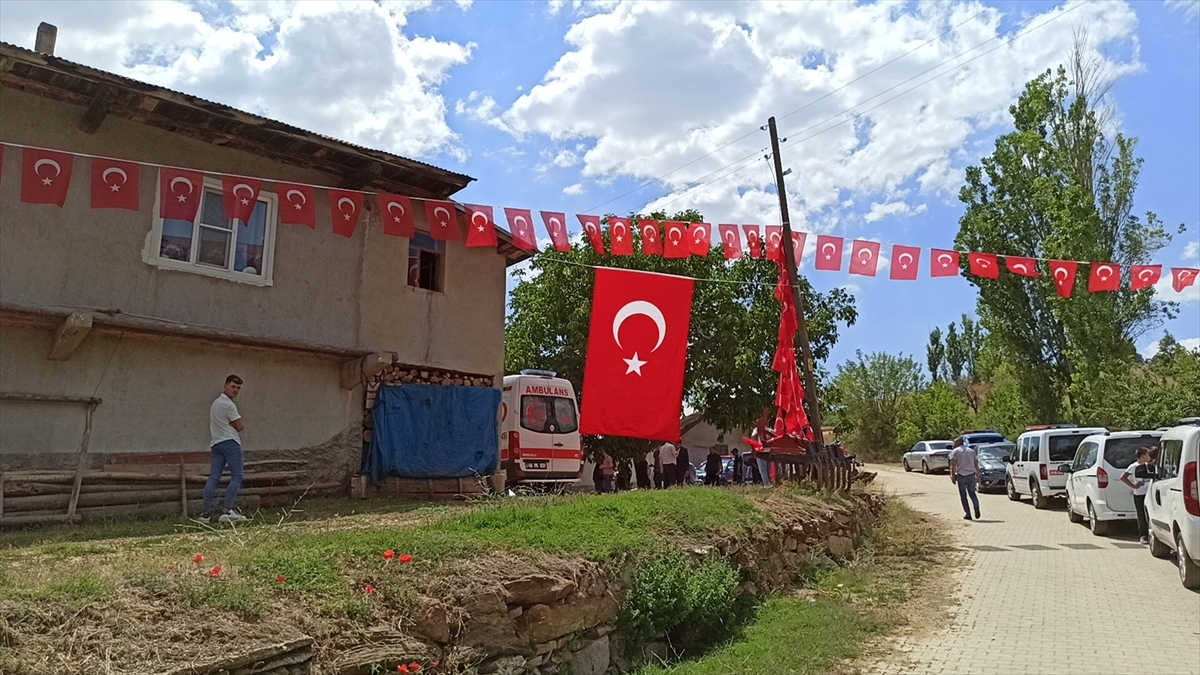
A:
[869, 394]
[935, 354]
[734, 327]
[1057, 187]
[935, 413]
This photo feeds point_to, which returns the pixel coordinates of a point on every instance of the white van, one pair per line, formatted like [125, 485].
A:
[539, 429]
[1173, 502]
[1036, 466]
[1094, 487]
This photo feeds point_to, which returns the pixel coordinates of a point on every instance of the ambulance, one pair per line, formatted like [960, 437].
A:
[539, 429]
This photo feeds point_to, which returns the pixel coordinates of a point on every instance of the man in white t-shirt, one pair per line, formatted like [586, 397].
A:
[224, 426]
[667, 455]
[964, 471]
[1137, 476]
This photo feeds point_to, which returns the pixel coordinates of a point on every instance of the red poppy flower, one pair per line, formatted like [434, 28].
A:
[406, 558]
[198, 559]
[389, 554]
[214, 571]
[171, 568]
[414, 667]
[369, 589]
[280, 579]
[401, 668]
[435, 664]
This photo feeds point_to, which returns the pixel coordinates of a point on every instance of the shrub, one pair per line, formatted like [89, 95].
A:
[668, 594]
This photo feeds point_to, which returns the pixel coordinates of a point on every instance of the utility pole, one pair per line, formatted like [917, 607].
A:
[789, 261]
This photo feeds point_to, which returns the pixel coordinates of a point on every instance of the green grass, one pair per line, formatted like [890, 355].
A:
[847, 607]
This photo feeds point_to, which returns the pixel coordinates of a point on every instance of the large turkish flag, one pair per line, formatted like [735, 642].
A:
[115, 184]
[637, 351]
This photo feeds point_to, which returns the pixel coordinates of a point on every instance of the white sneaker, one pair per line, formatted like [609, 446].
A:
[203, 519]
[232, 517]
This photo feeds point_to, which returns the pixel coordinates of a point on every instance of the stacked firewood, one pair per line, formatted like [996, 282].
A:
[153, 485]
[397, 374]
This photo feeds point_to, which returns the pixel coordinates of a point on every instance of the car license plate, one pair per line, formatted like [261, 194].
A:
[535, 465]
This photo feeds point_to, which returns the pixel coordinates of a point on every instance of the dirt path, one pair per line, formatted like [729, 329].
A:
[1038, 594]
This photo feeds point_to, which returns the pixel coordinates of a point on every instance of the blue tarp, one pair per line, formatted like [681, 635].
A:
[434, 432]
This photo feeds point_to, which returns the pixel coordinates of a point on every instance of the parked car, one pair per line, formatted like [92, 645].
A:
[991, 464]
[1042, 453]
[1173, 502]
[1094, 487]
[929, 455]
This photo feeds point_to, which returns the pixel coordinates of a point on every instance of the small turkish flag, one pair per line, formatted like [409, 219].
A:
[556, 225]
[1104, 277]
[651, 241]
[396, 212]
[481, 228]
[1142, 276]
[1025, 267]
[774, 239]
[798, 239]
[45, 176]
[345, 207]
[442, 219]
[297, 205]
[676, 244]
[1182, 277]
[864, 257]
[829, 253]
[943, 263]
[905, 261]
[115, 184]
[731, 241]
[241, 196]
[591, 229]
[636, 355]
[753, 241]
[179, 194]
[701, 238]
[520, 223]
[620, 237]
[984, 265]
[1063, 272]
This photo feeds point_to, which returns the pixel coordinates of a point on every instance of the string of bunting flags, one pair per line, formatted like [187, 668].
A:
[46, 176]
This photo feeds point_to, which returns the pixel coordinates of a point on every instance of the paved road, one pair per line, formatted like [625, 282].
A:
[1038, 594]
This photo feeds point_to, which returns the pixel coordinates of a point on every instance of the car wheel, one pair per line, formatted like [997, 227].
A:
[1039, 502]
[1159, 549]
[1071, 515]
[906, 466]
[1189, 572]
[924, 467]
[1011, 490]
[1098, 527]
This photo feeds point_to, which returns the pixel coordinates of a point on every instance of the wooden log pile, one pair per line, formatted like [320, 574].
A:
[400, 374]
[142, 484]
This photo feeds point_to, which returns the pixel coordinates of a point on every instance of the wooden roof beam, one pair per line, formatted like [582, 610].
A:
[98, 109]
[363, 177]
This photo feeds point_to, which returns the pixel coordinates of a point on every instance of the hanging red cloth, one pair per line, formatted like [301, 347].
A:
[790, 418]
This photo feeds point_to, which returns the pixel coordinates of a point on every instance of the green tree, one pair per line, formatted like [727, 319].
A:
[956, 354]
[869, 394]
[734, 326]
[1005, 408]
[1057, 188]
[937, 412]
[935, 354]
[1159, 392]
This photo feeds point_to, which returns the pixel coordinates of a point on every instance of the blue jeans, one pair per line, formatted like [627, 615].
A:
[764, 470]
[966, 486]
[223, 454]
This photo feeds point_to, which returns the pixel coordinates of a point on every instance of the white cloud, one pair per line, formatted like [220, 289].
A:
[1191, 344]
[573, 190]
[655, 86]
[307, 64]
[1188, 8]
[880, 211]
[1192, 250]
[1164, 290]
[565, 159]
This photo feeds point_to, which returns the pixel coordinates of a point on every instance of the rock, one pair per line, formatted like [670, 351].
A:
[840, 547]
[545, 648]
[592, 659]
[504, 665]
[544, 622]
[515, 612]
[789, 544]
[538, 589]
[433, 621]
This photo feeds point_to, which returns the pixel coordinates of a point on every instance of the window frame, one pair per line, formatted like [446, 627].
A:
[439, 249]
[270, 229]
[1168, 466]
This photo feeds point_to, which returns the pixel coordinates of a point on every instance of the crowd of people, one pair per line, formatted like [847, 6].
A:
[669, 465]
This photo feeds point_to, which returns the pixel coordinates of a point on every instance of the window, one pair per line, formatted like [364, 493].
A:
[1035, 448]
[548, 414]
[1062, 448]
[1085, 457]
[217, 246]
[1121, 452]
[1080, 456]
[1023, 453]
[940, 446]
[425, 256]
[1169, 458]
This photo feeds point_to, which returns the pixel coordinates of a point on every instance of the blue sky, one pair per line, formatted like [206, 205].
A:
[569, 106]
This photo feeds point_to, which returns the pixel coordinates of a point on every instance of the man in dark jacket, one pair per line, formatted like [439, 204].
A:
[712, 468]
[682, 464]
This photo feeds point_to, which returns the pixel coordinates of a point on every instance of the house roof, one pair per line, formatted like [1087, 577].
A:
[103, 93]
